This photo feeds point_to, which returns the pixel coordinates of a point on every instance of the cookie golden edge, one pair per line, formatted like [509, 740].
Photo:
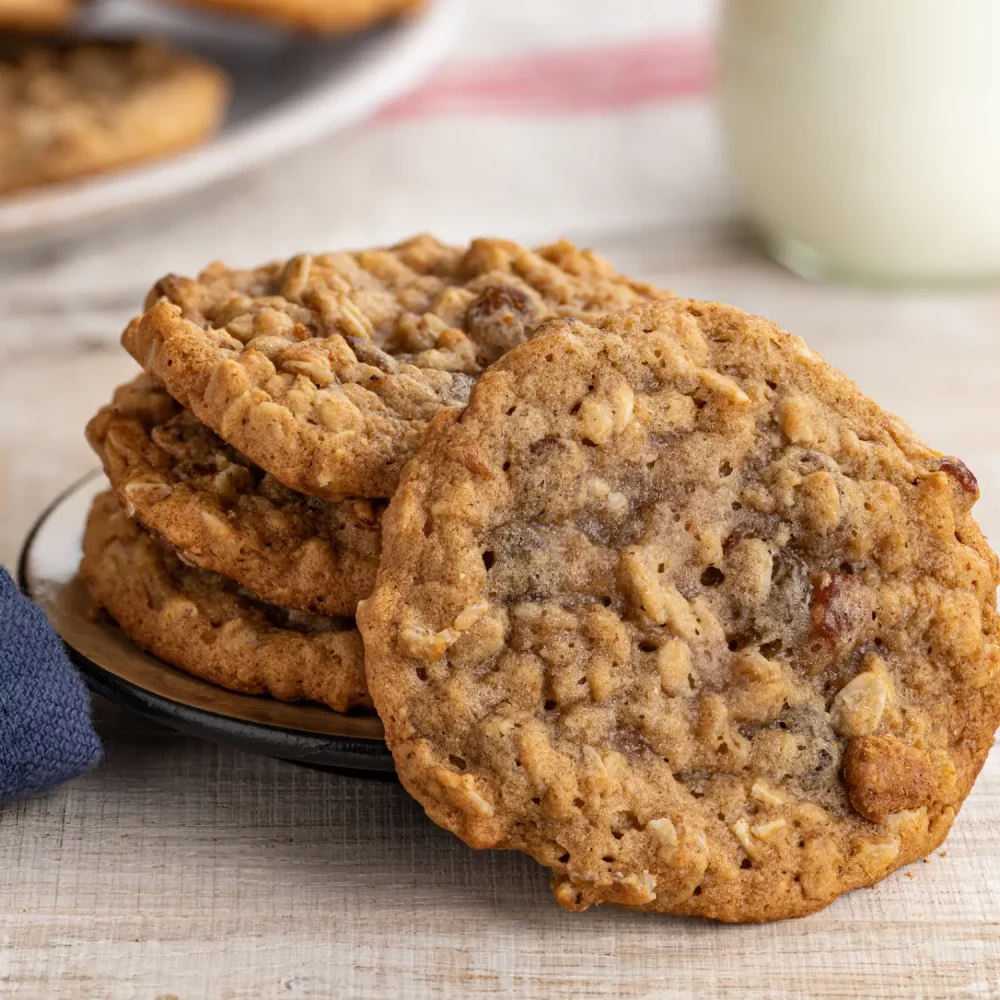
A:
[465, 812]
[124, 571]
[304, 573]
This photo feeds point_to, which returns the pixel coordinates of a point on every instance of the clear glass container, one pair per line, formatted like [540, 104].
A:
[865, 134]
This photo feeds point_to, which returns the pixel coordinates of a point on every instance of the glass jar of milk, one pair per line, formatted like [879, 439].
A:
[865, 134]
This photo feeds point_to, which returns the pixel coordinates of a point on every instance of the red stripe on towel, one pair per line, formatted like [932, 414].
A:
[574, 82]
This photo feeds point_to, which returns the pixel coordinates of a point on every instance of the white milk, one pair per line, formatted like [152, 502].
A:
[866, 133]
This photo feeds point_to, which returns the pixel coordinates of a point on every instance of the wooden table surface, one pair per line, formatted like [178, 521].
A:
[181, 869]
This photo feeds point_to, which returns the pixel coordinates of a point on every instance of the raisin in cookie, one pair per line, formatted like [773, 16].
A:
[319, 16]
[222, 513]
[83, 108]
[674, 608]
[326, 370]
[208, 627]
[37, 15]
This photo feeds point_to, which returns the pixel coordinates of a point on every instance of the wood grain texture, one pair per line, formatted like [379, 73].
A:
[183, 870]
[180, 869]
[186, 870]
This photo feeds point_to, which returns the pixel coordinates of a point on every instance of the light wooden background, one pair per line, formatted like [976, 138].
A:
[180, 869]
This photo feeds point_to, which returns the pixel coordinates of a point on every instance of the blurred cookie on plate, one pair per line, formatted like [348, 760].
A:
[37, 15]
[74, 109]
[319, 16]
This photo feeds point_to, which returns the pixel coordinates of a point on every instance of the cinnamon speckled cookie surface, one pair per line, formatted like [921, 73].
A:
[222, 513]
[208, 627]
[325, 370]
[675, 609]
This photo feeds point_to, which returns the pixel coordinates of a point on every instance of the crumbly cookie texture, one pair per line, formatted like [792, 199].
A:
[318, 16]
[674, 608]
[204, 624]
[220, 512]
[82, 108]
[37, 15]
[326, 370]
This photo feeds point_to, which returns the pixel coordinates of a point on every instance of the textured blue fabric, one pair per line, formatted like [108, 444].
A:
[45, 731]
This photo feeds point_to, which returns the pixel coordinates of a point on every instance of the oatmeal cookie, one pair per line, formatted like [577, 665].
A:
[317, 16]
[326, 370]
[204, 624]
[37, 15]
[82, 108]
[675, 609]
[222, 513]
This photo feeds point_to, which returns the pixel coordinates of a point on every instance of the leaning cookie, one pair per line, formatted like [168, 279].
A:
[318, 16]
[326, 370]
[37, 15]
[80, 108]
[222, 513]
[675, 609]
[205, 625]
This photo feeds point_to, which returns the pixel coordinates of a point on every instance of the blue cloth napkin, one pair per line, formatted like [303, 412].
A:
[45, 732]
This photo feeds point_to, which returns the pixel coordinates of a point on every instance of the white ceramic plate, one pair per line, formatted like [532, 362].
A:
[288, 90]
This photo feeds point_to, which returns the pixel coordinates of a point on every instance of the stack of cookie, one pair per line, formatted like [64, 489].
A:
[660, 598]
[251, 464]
